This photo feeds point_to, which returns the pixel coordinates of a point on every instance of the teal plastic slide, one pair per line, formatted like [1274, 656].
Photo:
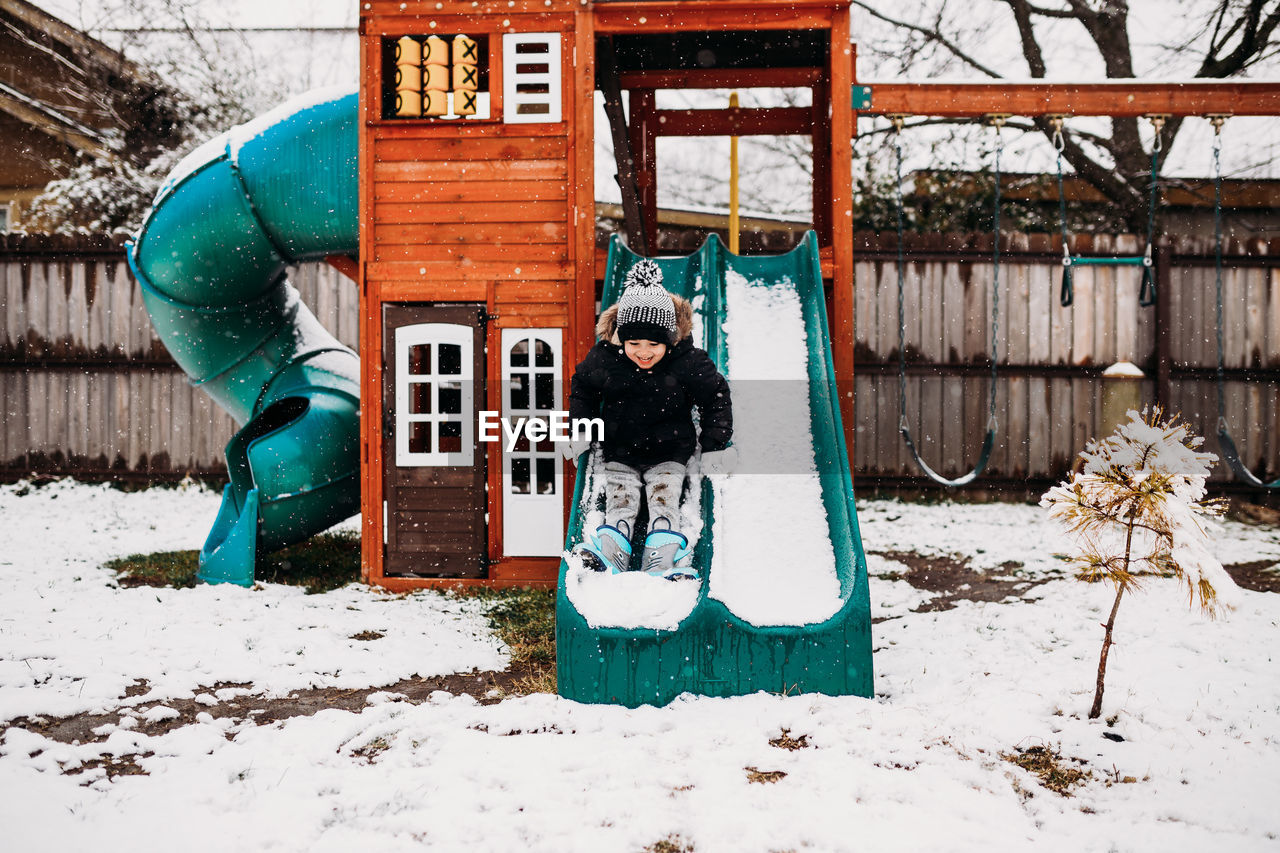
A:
[713, 651]
[211, 259]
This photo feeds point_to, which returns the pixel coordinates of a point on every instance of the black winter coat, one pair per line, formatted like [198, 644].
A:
[648, 414]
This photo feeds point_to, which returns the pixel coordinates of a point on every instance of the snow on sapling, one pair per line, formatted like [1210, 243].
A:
[1136, 510]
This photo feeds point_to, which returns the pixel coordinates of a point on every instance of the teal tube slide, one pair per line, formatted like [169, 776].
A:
[211, 259]
[712, 651]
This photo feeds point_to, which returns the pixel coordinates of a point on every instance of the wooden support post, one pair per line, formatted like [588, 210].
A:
[644, 147]
[841, 188]
[822, 161]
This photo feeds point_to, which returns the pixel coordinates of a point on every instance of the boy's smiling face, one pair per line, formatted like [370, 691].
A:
[645, 354]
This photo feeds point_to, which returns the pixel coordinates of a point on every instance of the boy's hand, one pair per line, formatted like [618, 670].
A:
[720, 461]
[571, 450]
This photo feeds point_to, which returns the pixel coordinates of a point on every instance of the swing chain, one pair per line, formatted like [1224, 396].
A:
[898, 121]
[1226, 444]
[997, 121]
[1147, 294]
[1217, 121]
[1067, 296]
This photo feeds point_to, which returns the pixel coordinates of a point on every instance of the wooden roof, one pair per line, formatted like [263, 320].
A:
[56, 78]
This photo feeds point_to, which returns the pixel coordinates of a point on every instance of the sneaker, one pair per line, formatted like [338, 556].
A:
[608, 549]
[664, 551]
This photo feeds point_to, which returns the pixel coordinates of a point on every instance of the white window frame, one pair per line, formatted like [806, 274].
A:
[532, 524]
[434, 334]
[512, 78]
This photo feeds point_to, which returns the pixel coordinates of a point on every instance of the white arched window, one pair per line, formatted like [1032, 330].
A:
[435, 393]
[532, 473]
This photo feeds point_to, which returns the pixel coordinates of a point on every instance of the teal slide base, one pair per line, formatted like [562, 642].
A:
[230, 552]
[211, 260]
[712, 652]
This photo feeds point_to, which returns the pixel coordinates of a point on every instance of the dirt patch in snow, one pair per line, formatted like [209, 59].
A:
[953, 580]
[1259, 575]
[487, 687]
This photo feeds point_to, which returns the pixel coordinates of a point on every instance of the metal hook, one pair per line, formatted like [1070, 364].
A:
[1157, 123]
[1059, 141]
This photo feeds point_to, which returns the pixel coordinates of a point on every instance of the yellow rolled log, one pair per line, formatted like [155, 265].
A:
[408, 102]
[435, 102]
[435, 77]
[464, 103]
[465, 78]
[409, 77]
[408, 51]
[435, 51]
[465, 51]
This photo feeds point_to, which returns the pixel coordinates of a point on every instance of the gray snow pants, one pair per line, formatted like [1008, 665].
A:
[662, 483]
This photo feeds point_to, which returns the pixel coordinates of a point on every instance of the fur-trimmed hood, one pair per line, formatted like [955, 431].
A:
[607, 325]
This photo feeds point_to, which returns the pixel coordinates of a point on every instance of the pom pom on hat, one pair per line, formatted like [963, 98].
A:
[645, 273]
[646, 311]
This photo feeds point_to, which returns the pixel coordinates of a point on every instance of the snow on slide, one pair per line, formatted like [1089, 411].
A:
[772, 563]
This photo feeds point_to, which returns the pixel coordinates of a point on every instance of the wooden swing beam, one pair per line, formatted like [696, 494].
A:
[1116, 98]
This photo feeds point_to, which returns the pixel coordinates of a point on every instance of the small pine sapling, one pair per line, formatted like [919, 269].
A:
[1136, 510]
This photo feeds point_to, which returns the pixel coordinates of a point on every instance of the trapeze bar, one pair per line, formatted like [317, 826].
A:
[1135, 261]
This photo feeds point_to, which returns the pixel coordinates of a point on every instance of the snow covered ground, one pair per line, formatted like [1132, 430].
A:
[1196, 703]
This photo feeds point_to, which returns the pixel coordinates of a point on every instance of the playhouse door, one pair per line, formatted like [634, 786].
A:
[434, 503]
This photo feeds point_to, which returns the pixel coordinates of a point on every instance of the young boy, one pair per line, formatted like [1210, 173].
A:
[643, 377]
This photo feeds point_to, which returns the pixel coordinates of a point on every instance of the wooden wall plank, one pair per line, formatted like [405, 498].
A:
[460, 212]
[454, 192]
[444, 170]
[443, 271]
[458, 151]
[472, 233]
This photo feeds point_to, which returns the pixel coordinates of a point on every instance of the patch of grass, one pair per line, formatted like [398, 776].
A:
[1055, 771]
[670, 844]
[371, 750]
[525, 619]
[163, 568]
[320, 564]
[786, 741]
[325, 562]
[760, 777]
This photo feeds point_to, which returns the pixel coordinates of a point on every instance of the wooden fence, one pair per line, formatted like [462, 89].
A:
[87, 387]
[1049, 358]
[89, 391]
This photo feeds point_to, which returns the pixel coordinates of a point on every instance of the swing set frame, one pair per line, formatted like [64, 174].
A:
[993, 103]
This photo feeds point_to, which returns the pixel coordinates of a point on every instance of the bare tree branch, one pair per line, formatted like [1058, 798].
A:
[1022, 12]
[934, 35]
[1255, 34]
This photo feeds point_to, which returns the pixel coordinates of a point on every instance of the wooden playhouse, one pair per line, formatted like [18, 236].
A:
[479, 270]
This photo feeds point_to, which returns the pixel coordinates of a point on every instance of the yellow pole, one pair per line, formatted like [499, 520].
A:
[733, 183]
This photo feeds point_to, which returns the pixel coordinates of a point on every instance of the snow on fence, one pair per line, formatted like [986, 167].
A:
[89, 390]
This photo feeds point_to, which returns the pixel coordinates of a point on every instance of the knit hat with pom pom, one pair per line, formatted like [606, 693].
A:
[646, 311]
